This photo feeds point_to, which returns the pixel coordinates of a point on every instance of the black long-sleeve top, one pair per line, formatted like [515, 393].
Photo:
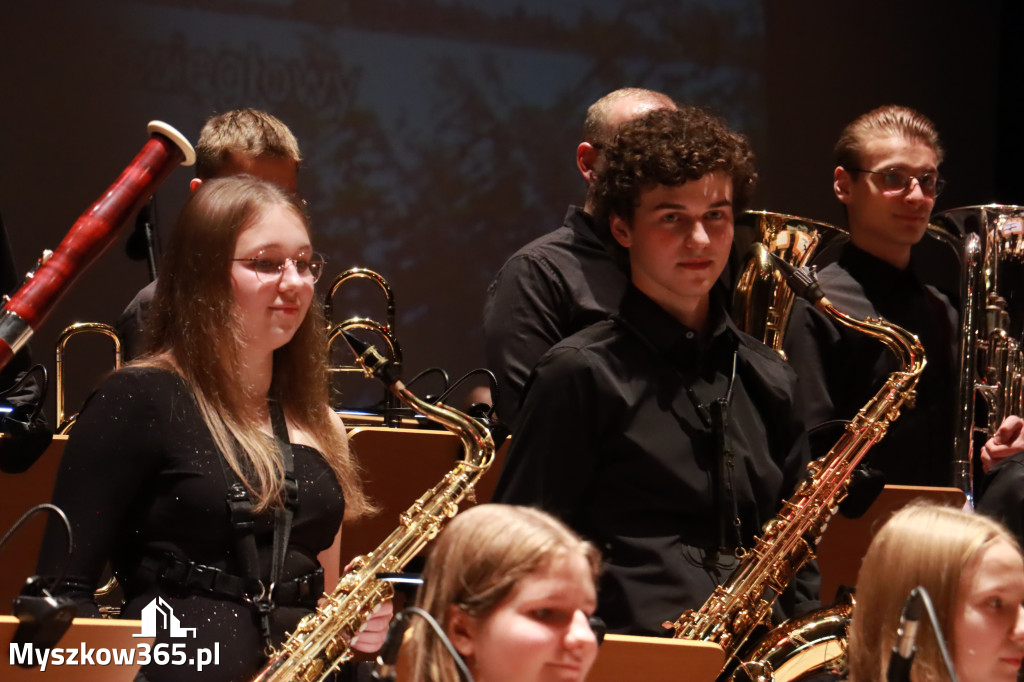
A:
[141, 477]
[612, 441]
[840, 369]
[551, 288]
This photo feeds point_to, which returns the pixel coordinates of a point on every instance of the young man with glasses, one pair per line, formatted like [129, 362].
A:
[887, 176]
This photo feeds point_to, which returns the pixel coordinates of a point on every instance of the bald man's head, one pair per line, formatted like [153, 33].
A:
[604, 118]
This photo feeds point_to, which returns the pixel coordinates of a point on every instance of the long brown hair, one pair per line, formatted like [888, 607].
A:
[193, 330]
[474, 565]
[926, 545]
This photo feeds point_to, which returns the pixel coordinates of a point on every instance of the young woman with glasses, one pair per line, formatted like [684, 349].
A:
[175, 472]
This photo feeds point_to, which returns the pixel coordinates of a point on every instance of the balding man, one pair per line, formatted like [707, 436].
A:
[567, 279]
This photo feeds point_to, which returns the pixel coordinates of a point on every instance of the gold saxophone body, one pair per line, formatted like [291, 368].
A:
[743, 603]
[319, 643]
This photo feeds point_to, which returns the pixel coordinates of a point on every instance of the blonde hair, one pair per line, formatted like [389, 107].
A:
[475, 564]
[243, 131]
[194, 332]
[887, 121]
[922, 544]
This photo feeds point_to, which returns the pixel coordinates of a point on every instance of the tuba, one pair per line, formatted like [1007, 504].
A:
[91, 235]
[319, 643]
[991, 326]
[742, 604]
[761, 304]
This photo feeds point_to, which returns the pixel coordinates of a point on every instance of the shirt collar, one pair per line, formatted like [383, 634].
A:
[873, 271]
[594, 228]
[667, 335]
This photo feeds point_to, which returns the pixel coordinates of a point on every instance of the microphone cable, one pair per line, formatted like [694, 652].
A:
[385, 669]
[42, 620]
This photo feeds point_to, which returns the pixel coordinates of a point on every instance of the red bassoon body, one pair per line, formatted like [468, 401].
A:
[91, 235]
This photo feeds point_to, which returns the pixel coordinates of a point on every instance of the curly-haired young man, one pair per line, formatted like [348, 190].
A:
[568, 278]
[664, 435]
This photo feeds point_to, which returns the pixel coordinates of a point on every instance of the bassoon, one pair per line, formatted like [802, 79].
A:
[91, 235]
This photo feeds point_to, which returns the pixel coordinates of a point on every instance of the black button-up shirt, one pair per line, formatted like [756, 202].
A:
[840, 369]
[614, 439]
[551, 288]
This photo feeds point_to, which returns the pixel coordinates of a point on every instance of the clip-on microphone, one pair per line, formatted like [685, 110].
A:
[903, 652]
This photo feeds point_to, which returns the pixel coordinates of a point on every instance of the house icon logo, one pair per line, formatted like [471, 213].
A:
[158, 614]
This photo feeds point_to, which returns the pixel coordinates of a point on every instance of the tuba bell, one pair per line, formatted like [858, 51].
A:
[761, 302]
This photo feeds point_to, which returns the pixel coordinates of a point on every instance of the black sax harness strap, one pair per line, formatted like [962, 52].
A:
[242, 518]
[188, 577]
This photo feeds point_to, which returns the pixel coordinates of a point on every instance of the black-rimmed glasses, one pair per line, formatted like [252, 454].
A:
[896, 180]
[271, 269]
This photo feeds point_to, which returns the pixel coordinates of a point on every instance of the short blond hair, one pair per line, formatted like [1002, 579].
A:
[475, 564]
[921, 545]
[243, 131]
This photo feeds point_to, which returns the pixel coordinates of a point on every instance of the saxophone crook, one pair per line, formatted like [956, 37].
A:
[320, 642]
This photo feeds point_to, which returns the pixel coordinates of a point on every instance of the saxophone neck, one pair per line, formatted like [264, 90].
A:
[905, 346]
[476, 439]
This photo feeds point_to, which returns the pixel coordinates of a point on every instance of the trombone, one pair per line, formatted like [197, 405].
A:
[65, 424]
[385, 331]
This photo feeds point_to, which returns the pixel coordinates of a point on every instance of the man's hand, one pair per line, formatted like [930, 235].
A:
[1008, 440]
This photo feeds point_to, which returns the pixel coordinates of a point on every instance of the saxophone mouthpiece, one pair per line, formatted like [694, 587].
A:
[803, 281]
[369, 358]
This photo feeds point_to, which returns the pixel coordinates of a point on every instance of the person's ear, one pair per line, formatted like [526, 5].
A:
[461, 631]
[621, 231]
[842, 183]
[194, 185]
[586, 158]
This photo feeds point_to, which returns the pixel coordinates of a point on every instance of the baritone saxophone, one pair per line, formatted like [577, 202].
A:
[743, 603]
[319, 643]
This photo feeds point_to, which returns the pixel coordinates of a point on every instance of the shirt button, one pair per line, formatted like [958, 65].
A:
[689, 335]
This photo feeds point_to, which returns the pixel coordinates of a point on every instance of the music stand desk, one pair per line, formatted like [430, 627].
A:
[846, 541]
[398, 466]
[94, 633]
[18, 494]
[624, 658]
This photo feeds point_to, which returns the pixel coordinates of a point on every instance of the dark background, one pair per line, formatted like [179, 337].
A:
[439, 135]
